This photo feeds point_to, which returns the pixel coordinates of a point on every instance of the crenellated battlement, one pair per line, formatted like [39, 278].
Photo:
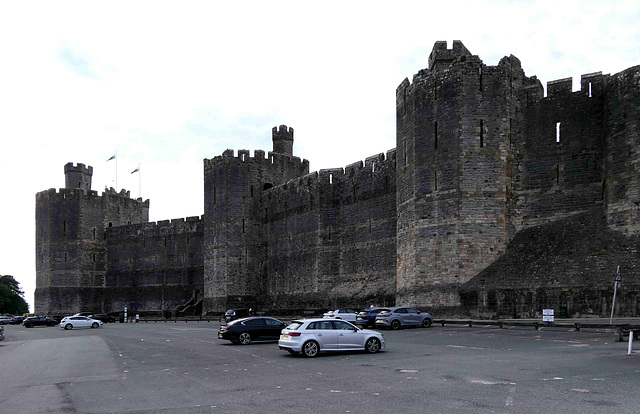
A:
[244, 156]
[441, 57]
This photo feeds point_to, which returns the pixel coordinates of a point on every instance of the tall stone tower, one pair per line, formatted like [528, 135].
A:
[233, 242]
[455, 125]
[71, 250]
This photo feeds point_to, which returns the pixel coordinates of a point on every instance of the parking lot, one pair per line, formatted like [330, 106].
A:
[183, 368]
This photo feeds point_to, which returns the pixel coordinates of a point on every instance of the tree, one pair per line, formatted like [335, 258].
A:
[11, 300]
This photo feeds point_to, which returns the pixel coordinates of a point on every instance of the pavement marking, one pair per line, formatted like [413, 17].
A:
[512, 392]
[580, 390]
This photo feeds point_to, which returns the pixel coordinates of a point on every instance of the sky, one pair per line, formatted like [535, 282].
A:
[165, 85]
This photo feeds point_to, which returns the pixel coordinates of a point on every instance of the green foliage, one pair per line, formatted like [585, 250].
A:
[11, 300]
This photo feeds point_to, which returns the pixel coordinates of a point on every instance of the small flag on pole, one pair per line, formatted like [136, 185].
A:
[113, 157]
[136, 170]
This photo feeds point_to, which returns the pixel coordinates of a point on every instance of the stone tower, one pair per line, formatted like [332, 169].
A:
[71, 257]
[455, 123]
[233, 241]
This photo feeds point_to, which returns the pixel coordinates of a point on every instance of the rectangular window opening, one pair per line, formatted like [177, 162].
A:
[435, 135]
[481, 133]
[65, 257]
[558, 132]
[330, 178]
[243, 226]
[215, 195]
[590, 90]
[405, 152]
[64, 226]
[557, 174]
[435, 180]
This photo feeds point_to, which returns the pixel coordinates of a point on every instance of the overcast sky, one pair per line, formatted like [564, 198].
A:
[167, 84]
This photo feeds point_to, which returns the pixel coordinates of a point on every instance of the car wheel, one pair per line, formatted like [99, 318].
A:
[28, 325]
[244, 338]
[426, 322]
[310, 349]
[94, 325]
[372, 345]
[395, 324]
[68, 326]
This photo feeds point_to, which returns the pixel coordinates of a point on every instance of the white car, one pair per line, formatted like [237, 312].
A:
[71, 322]
[343, 313]
[310, 336]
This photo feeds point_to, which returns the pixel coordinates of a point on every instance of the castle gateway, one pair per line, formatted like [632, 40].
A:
[497, 200]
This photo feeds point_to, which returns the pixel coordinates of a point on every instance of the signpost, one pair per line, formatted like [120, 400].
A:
[615, 291]
[547, 315]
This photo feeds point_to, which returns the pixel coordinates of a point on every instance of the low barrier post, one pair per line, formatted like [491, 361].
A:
[630, 343]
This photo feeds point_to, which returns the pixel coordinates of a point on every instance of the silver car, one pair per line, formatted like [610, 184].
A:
[311, 336]
[398, 317]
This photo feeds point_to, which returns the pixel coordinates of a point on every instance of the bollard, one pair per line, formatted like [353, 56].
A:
[630, 343]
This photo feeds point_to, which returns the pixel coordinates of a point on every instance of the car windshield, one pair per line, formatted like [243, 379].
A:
[294, 325]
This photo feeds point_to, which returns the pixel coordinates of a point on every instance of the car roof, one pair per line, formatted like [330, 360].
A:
[253, 317]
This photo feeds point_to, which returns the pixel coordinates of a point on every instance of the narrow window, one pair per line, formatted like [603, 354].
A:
[373, 167]
[110, 224]
[94, 258]
[105, 235]
[251, 191]
[65, 257]
[64, 226]
[557, 174]
[510, 126]
[558, 132]
[330, 178]
[215, 195]
[481, 133]
[435, 180]
[405, 152]
[404, 100]
[590, 90]
[435, 135]
[94, 233]
[243, 226]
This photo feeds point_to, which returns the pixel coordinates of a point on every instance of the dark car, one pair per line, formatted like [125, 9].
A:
[232, 314]
[16, 320]
[102, 317]
[56, 318]
[32, 321]
[259, 328]
[367, 318]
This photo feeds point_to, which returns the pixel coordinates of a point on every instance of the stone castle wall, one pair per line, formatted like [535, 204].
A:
[482, 158]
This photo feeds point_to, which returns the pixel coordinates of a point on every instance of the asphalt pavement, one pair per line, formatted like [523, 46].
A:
[183, 368]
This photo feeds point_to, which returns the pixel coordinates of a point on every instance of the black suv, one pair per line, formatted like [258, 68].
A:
[32, 321]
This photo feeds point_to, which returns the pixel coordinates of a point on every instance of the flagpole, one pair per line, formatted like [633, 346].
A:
[116, 170]
[139, 182]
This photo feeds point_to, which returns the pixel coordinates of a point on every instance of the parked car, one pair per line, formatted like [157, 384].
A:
[71, 322]
[367, 318]
[232, 314]
[16, 320]
[4, 320]
[403, 316]
[343, 313]
[244, 331]
[310, 336]
[1, 333]
[32, 321]
[56, 318]
[103, 317]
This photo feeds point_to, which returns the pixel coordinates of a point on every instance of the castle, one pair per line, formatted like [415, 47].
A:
[484, 163]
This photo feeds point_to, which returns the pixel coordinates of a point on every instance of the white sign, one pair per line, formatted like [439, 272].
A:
[547, 315]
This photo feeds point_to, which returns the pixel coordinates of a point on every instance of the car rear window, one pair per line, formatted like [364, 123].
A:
[294, 325]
